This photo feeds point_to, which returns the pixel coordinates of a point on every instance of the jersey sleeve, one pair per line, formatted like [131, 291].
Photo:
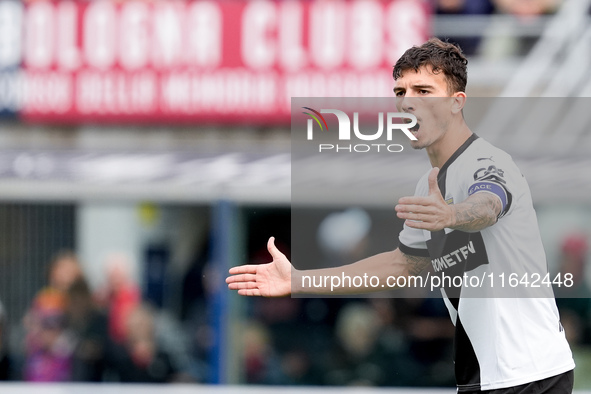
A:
[495, 175]
[412, 240]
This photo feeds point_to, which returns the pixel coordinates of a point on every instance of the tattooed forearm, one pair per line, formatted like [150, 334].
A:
[415, 264]
[477, 212]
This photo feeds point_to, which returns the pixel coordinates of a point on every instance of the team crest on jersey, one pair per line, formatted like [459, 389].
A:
[449, 201]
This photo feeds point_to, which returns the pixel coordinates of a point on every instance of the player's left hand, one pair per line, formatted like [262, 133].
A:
[427, 213]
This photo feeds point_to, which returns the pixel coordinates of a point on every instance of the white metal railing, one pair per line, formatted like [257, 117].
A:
[556, 68]
[562, 31]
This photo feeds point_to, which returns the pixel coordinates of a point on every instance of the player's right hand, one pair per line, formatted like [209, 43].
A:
[268, 280]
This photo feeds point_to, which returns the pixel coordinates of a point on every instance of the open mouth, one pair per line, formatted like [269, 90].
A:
[415, 128]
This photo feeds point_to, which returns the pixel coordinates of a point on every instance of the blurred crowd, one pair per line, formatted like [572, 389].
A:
[482, 7]
[386, 341]
[111, 334]
[475, 44]
[374, 342]
[74, 334]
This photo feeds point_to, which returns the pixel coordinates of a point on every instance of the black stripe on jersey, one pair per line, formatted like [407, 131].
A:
[467, 368]
[466, 365]
[413, 251]
[455, 155]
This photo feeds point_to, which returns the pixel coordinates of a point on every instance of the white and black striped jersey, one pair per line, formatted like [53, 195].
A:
[502, 338]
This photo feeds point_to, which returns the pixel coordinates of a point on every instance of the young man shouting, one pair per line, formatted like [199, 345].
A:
[471, 214]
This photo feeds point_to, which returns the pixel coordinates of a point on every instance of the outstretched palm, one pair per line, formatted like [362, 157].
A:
[268, 280]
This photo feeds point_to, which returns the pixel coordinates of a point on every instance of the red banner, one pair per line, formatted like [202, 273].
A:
[206, 61]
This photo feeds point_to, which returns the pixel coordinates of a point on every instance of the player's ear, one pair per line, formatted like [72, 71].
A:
[459, 100]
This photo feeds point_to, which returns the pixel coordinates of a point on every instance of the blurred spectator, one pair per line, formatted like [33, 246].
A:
[48, 346]
[527, 7]
[260, 360]
[430, 334]
[4, 359]
[292, 337]
[469, 45]
[197, 288]
[193, 283]
[466, 7]
[88, 326]
[574, 302]
[120, 296]
[299, 369]
[356, 333]
[370, 349]
[140, 359]
[48, 343]
[64, 270]
[296, 332]
[172, 340]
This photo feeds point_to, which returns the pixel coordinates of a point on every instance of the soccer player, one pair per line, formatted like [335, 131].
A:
[471, 213]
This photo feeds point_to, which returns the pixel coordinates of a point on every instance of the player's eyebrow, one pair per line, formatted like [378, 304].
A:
[422, 86]
[418, 86]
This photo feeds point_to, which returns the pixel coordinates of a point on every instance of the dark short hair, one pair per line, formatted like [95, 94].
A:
[441, 56]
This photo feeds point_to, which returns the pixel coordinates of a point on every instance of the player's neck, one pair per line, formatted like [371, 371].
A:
[440, 151]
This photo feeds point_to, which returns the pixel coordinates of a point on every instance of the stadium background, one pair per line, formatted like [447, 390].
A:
[155, 135]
